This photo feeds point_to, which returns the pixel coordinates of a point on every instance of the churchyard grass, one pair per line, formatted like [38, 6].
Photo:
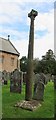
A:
[9, 100]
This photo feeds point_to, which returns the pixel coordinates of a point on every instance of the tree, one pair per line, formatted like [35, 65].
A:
[49, 55]
[47, 64]
[50, 59]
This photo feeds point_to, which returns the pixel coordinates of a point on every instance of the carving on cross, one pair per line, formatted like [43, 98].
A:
[33, 14]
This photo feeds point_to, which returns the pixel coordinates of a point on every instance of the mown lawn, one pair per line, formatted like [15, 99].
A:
[9, 100]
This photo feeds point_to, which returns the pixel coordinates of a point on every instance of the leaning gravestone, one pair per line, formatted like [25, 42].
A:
[4, 77]
[39, 88]
[16, 81]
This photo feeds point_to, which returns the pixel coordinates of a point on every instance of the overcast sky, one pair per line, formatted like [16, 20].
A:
[15, 22]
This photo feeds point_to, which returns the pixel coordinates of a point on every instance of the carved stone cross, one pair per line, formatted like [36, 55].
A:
[29, 79]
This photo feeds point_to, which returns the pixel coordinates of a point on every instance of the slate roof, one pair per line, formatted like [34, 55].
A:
[7, 46]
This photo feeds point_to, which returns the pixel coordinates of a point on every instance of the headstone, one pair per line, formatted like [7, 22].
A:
[39, 88]
[8, 76]
[43, 78]
[38, 76]
[4, 77]
[16, 81]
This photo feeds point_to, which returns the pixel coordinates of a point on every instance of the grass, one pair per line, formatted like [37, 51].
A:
[9, 100]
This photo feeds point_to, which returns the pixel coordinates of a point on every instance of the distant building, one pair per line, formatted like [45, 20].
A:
[9, 56]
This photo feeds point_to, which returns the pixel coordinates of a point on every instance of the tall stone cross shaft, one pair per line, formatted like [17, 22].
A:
[29, 80]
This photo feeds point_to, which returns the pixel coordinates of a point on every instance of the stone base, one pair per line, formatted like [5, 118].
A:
[28, 105]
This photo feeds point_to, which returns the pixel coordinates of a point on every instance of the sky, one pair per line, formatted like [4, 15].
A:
[14, 21]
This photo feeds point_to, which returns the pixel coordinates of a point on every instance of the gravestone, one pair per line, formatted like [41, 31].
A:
[39, 88]
[8, 75]
[4, 77]
[36, 77]
[16, 79]
[43, 78]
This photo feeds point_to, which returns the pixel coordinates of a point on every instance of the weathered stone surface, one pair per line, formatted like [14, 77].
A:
[4, 77]
[28, 105]
[36, 77]
[39, 76]
[43, 78]
[38, 91]
[29, 82]
[16, 81]
[8, 75]
[39, 87]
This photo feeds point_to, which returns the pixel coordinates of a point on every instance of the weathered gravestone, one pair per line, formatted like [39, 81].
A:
[43, 78]
[8, 75]
[39, 87]
[36, 78]
[16, 81]
[4, 77]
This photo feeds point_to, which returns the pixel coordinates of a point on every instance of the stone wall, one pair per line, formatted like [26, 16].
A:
[7, 62]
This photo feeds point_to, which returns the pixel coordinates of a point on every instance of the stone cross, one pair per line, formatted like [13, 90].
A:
[32, 16]
[28, 95]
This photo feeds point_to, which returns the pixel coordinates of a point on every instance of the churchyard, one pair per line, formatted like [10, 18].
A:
[33, 98]
[9, 99]
[13, 93]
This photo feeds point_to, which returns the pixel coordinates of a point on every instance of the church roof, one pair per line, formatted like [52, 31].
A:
[7, 46]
